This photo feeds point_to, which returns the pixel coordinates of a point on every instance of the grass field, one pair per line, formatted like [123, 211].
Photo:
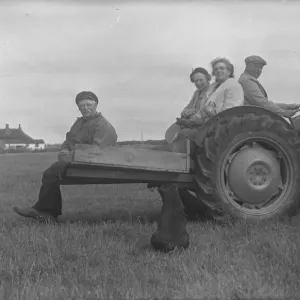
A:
[97, 250]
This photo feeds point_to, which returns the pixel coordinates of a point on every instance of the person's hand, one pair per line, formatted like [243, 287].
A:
[72, 138]
[64, 155]
[186, 113]
[184, 122]
[288, 113]
[181, 121]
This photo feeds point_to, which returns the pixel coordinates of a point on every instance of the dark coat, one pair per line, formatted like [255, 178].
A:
[94, 130]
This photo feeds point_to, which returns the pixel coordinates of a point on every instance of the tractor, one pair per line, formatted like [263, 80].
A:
[244, 163]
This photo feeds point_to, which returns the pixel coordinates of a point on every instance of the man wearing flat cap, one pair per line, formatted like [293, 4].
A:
[92, 128]
[255, 94]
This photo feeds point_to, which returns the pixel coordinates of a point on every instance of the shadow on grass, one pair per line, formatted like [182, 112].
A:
[122, 215]
[112, 216]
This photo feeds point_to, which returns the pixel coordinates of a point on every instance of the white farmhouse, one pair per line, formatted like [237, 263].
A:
[16, 138]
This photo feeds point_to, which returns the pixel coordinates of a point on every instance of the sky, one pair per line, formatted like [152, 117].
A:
[136, 56]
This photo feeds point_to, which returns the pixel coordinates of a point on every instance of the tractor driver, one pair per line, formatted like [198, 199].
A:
[92, 128]
[254, 92]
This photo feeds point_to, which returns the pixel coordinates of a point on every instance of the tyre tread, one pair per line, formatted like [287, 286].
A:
[222, 132]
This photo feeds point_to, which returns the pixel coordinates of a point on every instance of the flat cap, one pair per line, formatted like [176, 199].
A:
[255, 59]
[86, 95]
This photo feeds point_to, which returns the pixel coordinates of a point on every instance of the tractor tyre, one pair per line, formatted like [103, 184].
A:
[250, 165]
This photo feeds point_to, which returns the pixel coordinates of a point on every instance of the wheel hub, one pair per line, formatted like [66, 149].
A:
[254, 175]
[258, 175]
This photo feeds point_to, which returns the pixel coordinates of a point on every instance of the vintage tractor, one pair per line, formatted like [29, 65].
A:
[244, 163]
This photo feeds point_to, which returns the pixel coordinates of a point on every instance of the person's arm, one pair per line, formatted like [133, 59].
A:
[255, 97]
[201, 116]
[65, 146]
[70, 141]
[188, 112]
[285, 106]
[189, 109]
[234, 96]
[282, 105]
[104, 135]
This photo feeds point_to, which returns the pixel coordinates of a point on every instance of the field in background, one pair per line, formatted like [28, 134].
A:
[57, 147]
[99, 248]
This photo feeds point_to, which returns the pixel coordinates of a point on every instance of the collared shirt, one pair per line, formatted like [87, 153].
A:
[255, 94]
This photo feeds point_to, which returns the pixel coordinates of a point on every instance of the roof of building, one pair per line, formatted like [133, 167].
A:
[39, 141]
[15, 135]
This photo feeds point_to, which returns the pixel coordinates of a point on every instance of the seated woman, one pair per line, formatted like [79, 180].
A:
[201, 78]
[224, 93]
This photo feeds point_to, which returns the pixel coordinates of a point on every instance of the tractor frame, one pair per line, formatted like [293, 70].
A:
[199, 172]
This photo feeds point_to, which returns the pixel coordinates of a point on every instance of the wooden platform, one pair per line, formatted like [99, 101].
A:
[132, 158]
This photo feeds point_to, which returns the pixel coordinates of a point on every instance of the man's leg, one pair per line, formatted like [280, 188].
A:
[50, 201]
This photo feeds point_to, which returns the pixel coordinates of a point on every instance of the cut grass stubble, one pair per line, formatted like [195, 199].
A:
[100, 249]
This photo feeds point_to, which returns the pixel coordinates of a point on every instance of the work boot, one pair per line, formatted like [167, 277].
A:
[34, 213]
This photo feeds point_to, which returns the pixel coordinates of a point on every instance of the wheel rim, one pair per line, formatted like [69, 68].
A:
[256, 176]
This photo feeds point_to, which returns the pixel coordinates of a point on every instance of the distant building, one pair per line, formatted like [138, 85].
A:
[16, 138]
[37, 145]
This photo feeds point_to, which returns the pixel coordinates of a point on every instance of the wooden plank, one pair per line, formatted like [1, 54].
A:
[101, 175]
[131, 158]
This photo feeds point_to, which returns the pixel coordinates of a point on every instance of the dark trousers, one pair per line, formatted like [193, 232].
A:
[50, 200]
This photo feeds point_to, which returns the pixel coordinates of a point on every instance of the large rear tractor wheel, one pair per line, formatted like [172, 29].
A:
[250, 165]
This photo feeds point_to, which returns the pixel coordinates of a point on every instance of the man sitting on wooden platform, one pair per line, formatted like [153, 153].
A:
[92, 128]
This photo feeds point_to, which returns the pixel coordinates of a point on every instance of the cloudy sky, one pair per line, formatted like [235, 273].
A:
[136, 56]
